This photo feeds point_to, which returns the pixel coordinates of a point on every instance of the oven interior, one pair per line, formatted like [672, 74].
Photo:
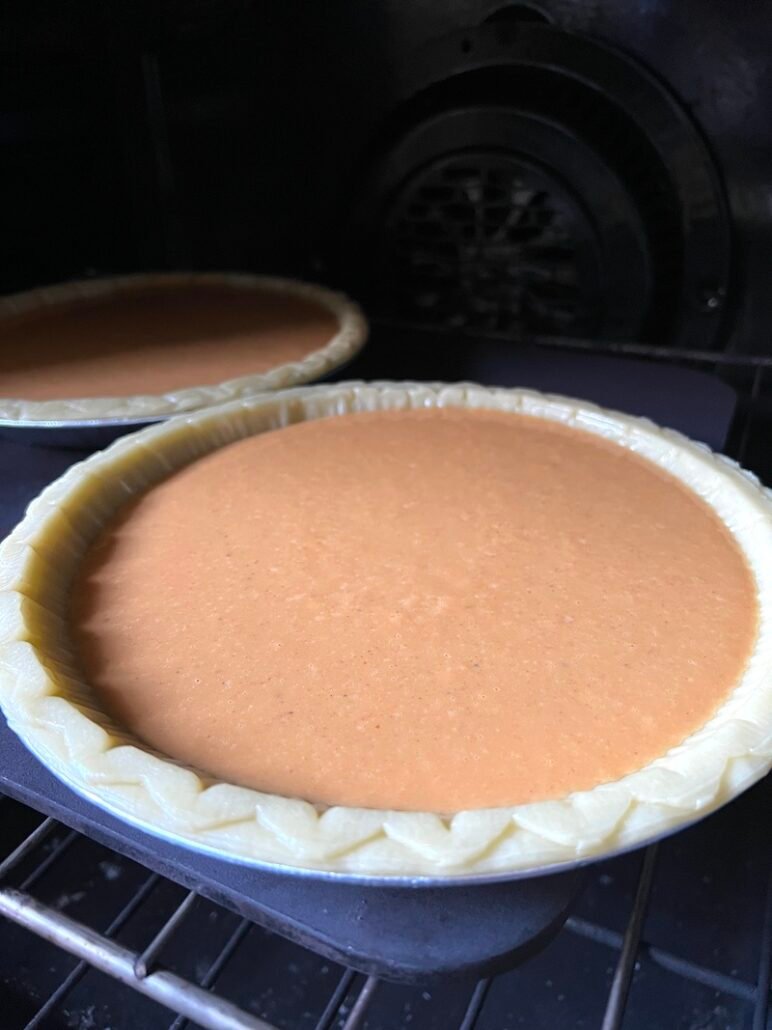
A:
[569, 196]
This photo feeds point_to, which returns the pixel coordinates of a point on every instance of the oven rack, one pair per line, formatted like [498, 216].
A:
[346, 1009]
[194, 1002]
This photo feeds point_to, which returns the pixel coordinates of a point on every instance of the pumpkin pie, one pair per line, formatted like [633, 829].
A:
[397, 630]
[145, 346]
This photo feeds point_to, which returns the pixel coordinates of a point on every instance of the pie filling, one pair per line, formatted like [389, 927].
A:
[156, 339]
[432, 610]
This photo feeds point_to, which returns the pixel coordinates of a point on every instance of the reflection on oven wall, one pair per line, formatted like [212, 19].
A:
[543, 169]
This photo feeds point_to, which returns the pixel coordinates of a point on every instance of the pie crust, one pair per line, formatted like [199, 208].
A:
[346, 343]
[58, 716]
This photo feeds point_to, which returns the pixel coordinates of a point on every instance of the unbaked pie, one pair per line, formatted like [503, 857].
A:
[397, 629]
[144, 346]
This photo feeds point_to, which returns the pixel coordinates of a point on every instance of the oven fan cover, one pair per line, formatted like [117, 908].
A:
[536, 183]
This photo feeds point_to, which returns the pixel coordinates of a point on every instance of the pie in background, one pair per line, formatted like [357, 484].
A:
[160, 344]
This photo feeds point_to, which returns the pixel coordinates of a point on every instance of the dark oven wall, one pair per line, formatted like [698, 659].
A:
[588, 169]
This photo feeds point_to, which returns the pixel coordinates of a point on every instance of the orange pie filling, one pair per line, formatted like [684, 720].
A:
[155, 339]
[430, 610]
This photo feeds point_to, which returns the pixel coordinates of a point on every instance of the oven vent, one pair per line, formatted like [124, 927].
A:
[487, 240]
[551, 187]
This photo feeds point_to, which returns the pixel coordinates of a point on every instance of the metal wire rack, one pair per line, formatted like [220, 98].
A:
[199, 1003]
[201, 999]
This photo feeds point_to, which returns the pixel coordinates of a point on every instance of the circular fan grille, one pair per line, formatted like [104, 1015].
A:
[489, 241]
[532, 182]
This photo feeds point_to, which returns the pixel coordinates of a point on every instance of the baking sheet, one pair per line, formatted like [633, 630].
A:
[397, 932]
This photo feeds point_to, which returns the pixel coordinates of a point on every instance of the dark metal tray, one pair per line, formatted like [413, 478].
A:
[402, 933]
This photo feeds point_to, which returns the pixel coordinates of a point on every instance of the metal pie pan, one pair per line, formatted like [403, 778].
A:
[71, 427]
[454, 876]
[87, 434]
[309, 874]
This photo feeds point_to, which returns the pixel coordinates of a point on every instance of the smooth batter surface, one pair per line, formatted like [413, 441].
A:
[156, 339]
[434, 610]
